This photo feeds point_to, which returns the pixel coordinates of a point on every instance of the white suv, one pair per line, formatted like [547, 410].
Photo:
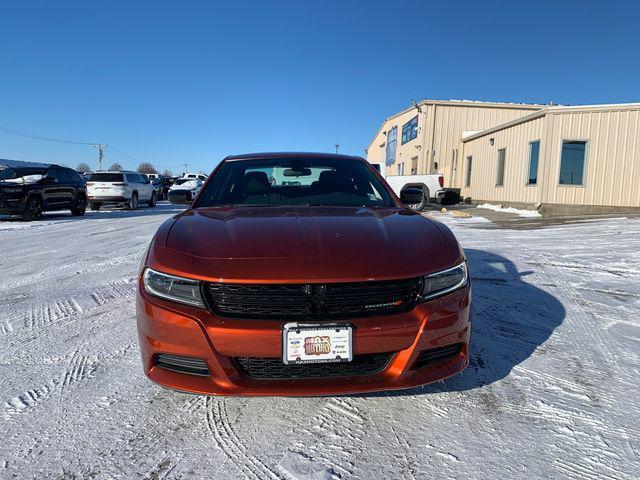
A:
[119, 188]
[201, 176]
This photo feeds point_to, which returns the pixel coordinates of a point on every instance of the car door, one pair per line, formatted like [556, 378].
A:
[52, 191]
[146, 186]
[67, 188]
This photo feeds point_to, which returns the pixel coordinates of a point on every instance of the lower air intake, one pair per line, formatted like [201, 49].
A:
[437, 355]
[275, 369]
[177, 363]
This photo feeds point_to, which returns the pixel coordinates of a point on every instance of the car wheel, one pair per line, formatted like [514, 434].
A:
[133, 203]
[95, 206]
[33, 209]
[152, 200]
[418, 207]
[79, 206]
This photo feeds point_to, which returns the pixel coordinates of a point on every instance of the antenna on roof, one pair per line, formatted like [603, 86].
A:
[416, 106]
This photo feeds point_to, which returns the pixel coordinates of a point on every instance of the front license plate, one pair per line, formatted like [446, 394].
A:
[316, 343]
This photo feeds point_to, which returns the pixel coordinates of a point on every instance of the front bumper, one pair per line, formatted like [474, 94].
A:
[169, 328]
[12, 205]
[108, 199]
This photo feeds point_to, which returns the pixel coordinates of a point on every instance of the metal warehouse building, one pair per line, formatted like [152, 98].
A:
[555, 158]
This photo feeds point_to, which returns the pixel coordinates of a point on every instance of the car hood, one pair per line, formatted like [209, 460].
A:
[295, 243]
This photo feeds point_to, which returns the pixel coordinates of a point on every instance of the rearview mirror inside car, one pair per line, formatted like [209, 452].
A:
[411, 196]
[303, 172]
[180, 198]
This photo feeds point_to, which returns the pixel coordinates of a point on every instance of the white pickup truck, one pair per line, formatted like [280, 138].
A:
[432, 187]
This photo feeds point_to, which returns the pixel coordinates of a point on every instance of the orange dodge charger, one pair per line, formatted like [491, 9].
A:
[301, 274]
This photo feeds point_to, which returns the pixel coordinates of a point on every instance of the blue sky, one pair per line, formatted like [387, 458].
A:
[175, 82]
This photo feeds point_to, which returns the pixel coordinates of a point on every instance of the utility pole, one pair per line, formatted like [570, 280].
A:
[337, 147]
[100, 147]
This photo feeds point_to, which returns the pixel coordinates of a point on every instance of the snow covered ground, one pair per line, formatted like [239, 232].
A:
[552, 389]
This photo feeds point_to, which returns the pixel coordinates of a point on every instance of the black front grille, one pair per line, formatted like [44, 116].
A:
[312, 300]
[178, 363]
[275, 369]
[437, 355]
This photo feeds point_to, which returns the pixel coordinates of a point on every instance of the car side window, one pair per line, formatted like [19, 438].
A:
[55, 174]
[132, 178]
[143, 179]
[65, 176]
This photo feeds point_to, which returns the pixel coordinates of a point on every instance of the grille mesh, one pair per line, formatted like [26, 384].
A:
[312, 300]
[275, 369]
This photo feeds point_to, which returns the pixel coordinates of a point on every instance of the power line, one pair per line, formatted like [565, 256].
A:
[20, 133]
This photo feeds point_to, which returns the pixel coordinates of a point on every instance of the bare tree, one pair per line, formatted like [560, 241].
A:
[146, 167]
[83, 167]
[116, 167]
[167, 173]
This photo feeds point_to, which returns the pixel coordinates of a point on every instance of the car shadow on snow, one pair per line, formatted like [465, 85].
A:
[511, 319]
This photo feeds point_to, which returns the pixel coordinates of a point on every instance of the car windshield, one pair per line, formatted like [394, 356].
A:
[21, 173]
[106, 177]
[295, 181]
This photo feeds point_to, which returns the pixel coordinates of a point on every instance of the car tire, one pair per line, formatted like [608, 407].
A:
[33, 209]
[133, 202]
[95, 206]
[79, 206]
[152, 200]
[418, 207]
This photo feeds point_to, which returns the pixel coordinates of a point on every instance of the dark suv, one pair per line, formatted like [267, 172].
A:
[30, 191]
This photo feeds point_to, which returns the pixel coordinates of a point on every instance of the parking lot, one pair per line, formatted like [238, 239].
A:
[551, 391]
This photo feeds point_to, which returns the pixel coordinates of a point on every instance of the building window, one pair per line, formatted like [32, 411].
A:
[410, 130]
[534, 154]
[401, 168]
[502, 153]
[392, 139]
[572, 162]
[467, 177]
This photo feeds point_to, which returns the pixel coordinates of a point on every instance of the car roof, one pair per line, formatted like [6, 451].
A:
[117, 171]
[270, 155]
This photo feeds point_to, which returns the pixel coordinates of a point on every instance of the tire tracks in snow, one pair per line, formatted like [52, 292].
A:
[232, 446]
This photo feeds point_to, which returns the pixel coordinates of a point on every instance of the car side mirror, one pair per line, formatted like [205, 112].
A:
[410, 196]
[179, 198]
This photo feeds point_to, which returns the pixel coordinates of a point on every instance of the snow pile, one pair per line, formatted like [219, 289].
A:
[517, 211]
[26, 179]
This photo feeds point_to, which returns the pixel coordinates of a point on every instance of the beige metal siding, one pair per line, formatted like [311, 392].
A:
[515, 141]
[612, 160]
[612, 165]
[440, 128]
[453, 120]
[404, 153]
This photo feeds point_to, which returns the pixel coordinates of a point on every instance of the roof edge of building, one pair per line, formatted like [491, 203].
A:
[458, 103]
[554, 110]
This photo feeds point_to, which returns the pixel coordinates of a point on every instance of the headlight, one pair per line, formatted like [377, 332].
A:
[446, 281]
[172, 288]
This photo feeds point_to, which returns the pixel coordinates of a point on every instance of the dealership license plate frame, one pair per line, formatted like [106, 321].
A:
[330, 329]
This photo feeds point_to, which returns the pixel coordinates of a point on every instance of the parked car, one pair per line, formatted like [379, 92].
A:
[124, 188]
[151, 176]
[201, 176]
[431, 186]
[187, 187]
[157, 185]
[329, 286]
[31, 191]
